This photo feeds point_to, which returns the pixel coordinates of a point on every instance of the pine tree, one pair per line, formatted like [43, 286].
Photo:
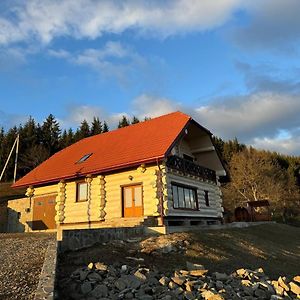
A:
[96, 126]
[135, 120]
[105, 127]
[123, 122]
[70, 137]
[28, 135]
[50, 133]
[29, 140]
[83, 131]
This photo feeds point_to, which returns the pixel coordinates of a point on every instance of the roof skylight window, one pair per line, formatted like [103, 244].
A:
[84, 158]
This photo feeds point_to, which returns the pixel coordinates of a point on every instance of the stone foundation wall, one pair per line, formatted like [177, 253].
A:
[77, 239]
[46, 286]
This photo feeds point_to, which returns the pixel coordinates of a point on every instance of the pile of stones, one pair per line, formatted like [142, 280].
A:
[100, 281]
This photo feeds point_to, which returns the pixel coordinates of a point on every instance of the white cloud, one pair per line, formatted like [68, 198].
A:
[151, 106]
[114, 59]
[77, 113]
[141, 107]
[9, 58]
[60, 53]
[256, 115]
[289, 145]
[8, 120]
[264, 120]
[45, 20]
[274, 25]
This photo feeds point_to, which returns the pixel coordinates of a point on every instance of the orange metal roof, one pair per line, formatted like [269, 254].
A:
[139, 143]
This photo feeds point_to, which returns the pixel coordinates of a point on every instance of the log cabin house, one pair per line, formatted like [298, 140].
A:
[160, 172]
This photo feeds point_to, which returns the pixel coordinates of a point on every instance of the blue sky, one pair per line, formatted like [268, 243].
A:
[233, 65]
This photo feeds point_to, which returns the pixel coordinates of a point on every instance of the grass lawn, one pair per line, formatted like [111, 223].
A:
[274, 247]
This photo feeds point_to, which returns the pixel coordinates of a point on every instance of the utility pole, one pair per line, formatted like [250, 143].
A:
[16, 144]
[16, 159]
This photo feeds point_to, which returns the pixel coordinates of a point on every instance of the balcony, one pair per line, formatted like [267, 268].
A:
[189, 168]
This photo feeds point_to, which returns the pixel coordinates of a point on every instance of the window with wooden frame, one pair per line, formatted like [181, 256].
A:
[206, 198]
[81, 191]
[184, 197]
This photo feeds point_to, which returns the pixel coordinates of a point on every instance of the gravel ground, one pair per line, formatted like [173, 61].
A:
[21, 261]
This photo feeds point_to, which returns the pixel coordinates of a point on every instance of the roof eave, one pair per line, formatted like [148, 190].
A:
[92, 172]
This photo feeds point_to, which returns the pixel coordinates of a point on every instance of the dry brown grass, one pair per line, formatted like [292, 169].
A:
[274, 247]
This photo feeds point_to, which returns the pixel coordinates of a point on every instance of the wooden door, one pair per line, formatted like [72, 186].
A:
[44, 213]
[133, 201]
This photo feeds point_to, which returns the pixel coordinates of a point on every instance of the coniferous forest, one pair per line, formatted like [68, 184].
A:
[252, 174]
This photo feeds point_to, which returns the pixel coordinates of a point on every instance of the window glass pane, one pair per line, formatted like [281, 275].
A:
[175, 196]
[181, 197]
[193, 199]
[128, 197]
[187, 198]
[138, 196]
[206, 198]
[82, 191]
[84, 158]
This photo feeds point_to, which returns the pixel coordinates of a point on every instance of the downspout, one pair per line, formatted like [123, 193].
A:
[161, 203]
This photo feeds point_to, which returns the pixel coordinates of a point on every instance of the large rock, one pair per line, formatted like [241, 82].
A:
[189, 295]
[100, 291]
[198, 273]
[216, 297]
[220, 276]
[164, 281]
[243, 273]
[94, 277]
[101, 266]
[83, 274]
[138, 274]
[260, 294]
[119, 281]
[192, 266]
[131, 281]
[120, 284]
[295, 288]
[179, 280]
[281, 282]
[297, 279]
[278, 289]
[206, 294]
[86, 287]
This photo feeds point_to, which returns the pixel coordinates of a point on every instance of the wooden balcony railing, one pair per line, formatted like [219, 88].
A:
[188, 167]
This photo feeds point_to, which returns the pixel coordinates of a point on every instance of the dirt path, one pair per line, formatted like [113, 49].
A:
[21, 261]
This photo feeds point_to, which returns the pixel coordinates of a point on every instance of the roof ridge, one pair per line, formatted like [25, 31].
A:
[136, 124]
